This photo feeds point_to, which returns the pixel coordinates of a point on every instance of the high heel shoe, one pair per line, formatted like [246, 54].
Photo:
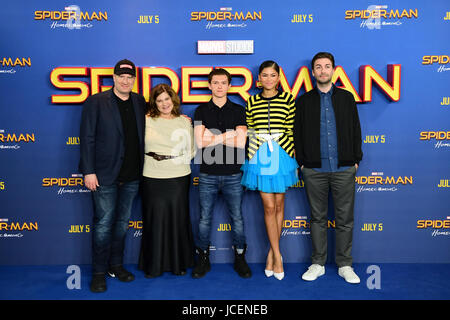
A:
[279, 275]
[268, 273]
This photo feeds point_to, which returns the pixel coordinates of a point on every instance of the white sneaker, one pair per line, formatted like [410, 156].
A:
[314, 271]
[348, 274]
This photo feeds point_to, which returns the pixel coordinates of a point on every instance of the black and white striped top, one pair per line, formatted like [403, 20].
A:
[271, 115]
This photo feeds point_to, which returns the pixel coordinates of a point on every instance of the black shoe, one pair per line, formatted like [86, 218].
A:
[151, 276]
[202, 265]
[182, 272]
[98, 283]
[120, 273]
[240, 265]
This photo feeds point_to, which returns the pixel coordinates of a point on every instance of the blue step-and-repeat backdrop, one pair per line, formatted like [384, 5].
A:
[394, 56]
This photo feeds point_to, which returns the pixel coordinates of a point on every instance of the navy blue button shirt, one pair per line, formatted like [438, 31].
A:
[328, 137]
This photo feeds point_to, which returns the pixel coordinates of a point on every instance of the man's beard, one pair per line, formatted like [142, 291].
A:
[324, 82]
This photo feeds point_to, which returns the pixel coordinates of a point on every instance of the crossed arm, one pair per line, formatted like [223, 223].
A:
[231, 138]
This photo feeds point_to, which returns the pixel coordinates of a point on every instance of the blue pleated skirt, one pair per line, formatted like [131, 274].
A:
[271, 172]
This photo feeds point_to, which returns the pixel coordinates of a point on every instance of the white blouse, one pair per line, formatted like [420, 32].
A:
[168, 137]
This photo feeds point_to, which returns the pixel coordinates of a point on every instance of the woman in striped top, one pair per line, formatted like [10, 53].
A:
[271, 167]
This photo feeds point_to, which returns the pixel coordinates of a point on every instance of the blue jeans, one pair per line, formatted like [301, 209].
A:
[232, 190]
[112, 210]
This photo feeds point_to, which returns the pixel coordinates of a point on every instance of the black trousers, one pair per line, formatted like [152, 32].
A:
[342, 186]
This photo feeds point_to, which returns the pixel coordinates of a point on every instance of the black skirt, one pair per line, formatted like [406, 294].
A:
[167, 242]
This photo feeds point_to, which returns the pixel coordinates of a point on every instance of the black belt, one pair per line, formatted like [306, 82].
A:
[160, 157]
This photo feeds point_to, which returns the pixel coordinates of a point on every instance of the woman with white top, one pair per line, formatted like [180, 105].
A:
[167, 241]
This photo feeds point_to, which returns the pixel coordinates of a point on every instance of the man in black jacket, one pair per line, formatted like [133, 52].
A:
[111, 160]
[327, 137]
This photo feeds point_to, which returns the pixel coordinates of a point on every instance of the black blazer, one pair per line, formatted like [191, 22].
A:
[101, 135]
[307, 128]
